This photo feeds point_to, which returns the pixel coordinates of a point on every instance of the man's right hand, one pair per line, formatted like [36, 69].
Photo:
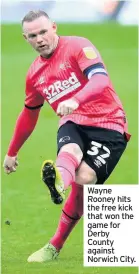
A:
[10, 164]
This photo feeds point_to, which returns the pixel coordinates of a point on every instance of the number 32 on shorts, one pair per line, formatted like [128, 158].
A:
[95, 151]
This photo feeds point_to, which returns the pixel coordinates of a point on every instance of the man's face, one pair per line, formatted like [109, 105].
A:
[41, 35]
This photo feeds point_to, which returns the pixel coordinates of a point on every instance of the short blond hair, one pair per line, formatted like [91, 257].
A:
[34, 14]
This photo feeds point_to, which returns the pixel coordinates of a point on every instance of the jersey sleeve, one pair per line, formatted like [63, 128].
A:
[33, 99]
[88, 58]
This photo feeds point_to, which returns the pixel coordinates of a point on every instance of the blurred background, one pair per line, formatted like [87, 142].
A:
[125, 12]
[112, 26]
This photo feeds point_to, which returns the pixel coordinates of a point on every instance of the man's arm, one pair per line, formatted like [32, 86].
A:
[91, 65]
[95, 86]
[25, 124]
[24, 127]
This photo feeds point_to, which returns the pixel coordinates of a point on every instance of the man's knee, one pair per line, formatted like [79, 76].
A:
[73, 149]
[85, 175]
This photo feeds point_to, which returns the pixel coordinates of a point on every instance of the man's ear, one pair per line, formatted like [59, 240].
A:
[54, 26]
[24, 36]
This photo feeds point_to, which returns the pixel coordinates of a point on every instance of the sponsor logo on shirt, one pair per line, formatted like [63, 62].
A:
[61, 88]
[97, 163]
[64, 139]
[41, 80]
[65, 65]
[90, 53]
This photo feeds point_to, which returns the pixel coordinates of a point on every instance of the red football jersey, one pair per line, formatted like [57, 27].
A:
[64, 74]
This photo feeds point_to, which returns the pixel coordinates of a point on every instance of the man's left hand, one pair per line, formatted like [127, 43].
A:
[67, 107]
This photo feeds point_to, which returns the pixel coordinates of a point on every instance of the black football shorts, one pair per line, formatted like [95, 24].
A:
[102, 148]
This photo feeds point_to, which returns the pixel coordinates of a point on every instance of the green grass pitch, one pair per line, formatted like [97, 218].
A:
[24, 197]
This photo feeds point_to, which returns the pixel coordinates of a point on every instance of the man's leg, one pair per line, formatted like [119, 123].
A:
[73, 208]
[72, 212]
[85, 175]
[67, 162]
[59, 176]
